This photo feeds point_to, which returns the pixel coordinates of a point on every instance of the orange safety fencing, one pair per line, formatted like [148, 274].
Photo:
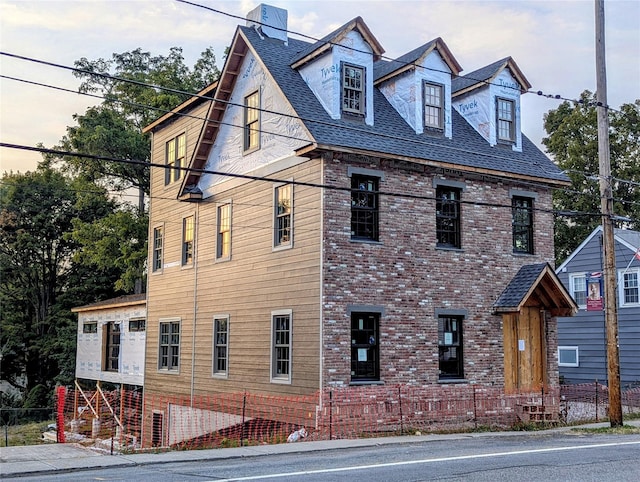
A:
[127, 421]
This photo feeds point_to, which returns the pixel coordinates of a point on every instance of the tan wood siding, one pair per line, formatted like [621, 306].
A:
[524, 369]
[254, 282]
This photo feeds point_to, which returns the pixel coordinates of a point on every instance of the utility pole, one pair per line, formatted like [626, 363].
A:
[608, 244]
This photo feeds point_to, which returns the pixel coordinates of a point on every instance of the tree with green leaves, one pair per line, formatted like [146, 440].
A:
[40, 281]
[137, 88]
[572, 141]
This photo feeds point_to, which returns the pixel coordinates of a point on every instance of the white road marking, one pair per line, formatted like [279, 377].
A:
[425, 461]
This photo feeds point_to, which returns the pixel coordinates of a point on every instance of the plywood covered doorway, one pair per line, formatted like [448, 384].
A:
[534, 294]
[525, 350]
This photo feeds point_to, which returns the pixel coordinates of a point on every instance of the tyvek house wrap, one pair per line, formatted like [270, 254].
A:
[280, 135]
[478, 107]
[323, 75]
[404, 92]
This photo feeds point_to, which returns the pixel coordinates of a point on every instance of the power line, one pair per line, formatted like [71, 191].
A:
[187, 115]
[262, 178]
[303, 119]
[400, 63]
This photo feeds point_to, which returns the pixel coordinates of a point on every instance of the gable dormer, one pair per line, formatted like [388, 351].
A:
[339, 71]
[418, 86]
[489, 99]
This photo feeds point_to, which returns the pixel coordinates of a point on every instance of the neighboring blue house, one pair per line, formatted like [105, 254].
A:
[581, 339]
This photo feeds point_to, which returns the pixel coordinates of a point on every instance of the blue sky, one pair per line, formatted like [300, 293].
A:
[553, 42]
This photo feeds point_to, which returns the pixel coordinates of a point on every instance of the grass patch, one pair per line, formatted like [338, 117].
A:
[26, 434]
[624, 430]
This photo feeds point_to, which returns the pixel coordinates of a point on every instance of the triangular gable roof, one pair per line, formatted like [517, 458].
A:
[210, 127]
[479, 78]
[578, 249]
[326, 43]
[385, 69]
[541, 280]
[203, 96]
[126, 300]
[626, 237]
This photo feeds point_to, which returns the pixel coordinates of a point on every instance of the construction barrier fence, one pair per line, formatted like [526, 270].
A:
[122, 420]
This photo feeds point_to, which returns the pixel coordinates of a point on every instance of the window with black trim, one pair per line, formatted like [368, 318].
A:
[223, 239]
[448, 233]
[188, 239]
[169, 353]
[281, 346]
[353, 93]
[450, 347]
[364, 207]
[283, 219]
[137, 325]
[522, 224]
[111, 346]
[365, 351]
[252, 122]
[90, 327]
[157, 248]
[506, 120]
[433, 105]
[175, 156]
[221, 345]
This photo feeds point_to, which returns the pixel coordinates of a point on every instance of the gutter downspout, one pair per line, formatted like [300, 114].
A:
[195, 302]
[321, 311]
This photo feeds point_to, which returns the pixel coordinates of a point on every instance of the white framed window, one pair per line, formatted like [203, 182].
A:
[629, 287]
[578, 289]
[353, 93]
[568, 356]
[252, 122]
[175, 153]
[283, 216]
[188, 239]
[506, 120]
[433, 106]
[281, 331]
[221, 346]
[169, 345]
[158, 241]
[223, 237]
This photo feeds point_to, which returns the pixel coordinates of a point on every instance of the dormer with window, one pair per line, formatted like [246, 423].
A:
[339, 71]
[418, 86]
[489, 99]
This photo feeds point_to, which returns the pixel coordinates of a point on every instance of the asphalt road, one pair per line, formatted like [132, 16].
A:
[545, 457]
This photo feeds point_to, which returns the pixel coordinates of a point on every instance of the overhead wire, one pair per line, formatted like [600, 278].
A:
[401, 63]
[263, 131]
[414, 141]
[177, 91]
[274, 180]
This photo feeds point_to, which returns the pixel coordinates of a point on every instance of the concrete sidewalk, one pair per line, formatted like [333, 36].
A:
[41, 459]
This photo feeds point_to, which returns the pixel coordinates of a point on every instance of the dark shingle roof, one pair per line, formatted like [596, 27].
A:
[391, 135]
[520, 285]
[477, 76]
[382, 68]
[629, 236]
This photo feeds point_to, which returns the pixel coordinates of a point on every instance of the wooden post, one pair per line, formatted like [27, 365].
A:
[608, 244]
